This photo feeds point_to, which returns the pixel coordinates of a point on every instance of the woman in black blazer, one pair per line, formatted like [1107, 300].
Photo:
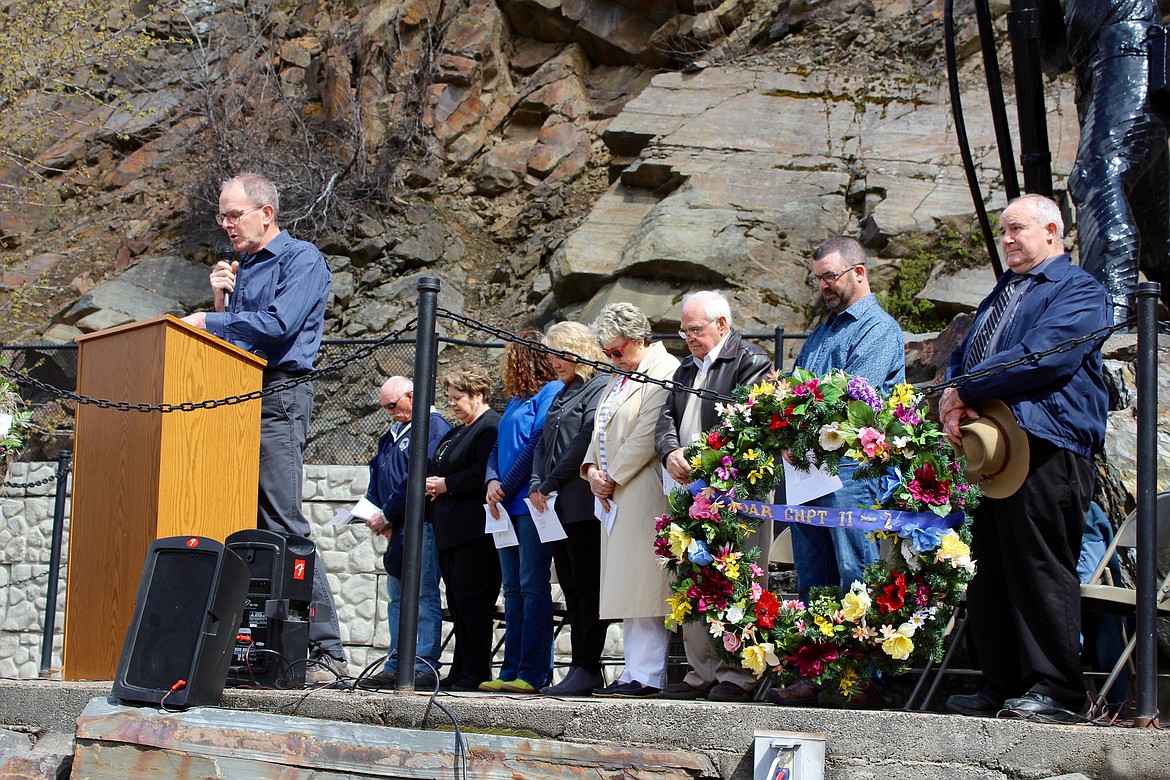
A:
[467, 556]
[556, 468]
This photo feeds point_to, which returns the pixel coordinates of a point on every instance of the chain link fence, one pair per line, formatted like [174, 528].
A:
[347, 419]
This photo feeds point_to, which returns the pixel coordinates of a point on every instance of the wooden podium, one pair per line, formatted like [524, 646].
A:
[141, 476]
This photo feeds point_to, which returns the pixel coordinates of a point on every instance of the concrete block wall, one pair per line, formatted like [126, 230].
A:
[351, 554]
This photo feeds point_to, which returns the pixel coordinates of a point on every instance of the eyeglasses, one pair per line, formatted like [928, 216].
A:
[454, 399]
[393, 404]
[828, 277]
[617, 351]
[232, 217]
[694, 330]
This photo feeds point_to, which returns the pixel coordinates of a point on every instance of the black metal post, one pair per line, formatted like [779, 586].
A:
[778, 343]
[1146, 650]
[999, 119]
[425, 353]
[1035, 157]
[64, 466]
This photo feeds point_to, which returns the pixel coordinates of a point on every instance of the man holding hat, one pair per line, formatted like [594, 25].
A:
[1029, 432]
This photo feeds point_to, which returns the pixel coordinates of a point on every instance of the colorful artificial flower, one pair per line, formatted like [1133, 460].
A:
[831, 437]
[855, 603]
[928, 488]
[759, 657]
[897, 643]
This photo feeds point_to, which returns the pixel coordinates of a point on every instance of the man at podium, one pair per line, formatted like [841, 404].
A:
[272, 303]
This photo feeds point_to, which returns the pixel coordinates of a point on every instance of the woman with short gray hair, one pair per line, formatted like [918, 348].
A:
[622, 468]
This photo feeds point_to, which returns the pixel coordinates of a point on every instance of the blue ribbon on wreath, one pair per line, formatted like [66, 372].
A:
[922, 528]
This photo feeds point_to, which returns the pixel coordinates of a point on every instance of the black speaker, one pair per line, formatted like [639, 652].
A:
[273, 639]
[185, 618]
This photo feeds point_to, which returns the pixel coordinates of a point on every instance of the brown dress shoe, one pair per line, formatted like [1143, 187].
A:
[802, 693]
[728, 691]
[682, 690]
[865, 697]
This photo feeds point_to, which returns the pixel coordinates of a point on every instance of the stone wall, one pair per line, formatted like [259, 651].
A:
[350, 553]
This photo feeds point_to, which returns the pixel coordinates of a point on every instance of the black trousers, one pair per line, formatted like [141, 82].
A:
[471, 573]
[578, 561]
[284, 428]
[1025, 598]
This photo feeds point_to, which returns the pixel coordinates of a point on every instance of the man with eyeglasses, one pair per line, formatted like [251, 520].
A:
[719, 361]
[861, 339]
[278, 292]
[387, 491]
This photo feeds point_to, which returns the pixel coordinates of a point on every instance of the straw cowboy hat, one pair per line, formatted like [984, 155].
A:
[996, 449]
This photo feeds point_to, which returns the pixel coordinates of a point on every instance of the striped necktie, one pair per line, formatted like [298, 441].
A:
[982, 338]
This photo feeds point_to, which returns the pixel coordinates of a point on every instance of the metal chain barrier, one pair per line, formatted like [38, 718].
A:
[26, 485]
[609, 368]
[33, 578]
[506, 336]
[1031, 358]
[190, 406]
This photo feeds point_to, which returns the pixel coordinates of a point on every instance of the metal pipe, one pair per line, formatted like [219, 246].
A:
[999, 118]
[1035, 157]
[963, 141]
[64, 466]
[425, 359]
[1146, 654]
[778, 345]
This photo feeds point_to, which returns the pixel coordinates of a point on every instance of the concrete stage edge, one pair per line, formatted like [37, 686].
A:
[859, 744]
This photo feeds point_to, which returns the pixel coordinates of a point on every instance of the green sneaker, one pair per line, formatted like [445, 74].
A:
[517, 686]
[493, 686]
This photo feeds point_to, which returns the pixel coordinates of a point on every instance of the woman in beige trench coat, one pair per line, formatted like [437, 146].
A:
[621, 467]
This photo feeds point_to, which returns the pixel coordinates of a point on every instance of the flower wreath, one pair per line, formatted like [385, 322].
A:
[877, 628]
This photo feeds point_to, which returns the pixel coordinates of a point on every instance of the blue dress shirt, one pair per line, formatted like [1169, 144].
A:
[863, 341]
[277, 309]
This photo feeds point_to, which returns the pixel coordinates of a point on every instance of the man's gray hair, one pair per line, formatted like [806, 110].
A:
[621, 320]
[258, 189]
[1045, 209]
[850, 249]
[714, 305]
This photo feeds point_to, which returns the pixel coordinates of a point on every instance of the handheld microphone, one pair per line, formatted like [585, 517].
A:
[226, 253]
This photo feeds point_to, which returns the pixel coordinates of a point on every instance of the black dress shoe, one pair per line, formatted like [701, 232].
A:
[382, 681]
[1037, 706]
[983, 704]
[630, 690]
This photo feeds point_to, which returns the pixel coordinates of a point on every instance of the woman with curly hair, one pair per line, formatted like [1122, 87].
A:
[531, 386]
[557, 470]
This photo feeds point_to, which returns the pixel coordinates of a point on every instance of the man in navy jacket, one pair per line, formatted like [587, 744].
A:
[388, 471]
[1024, 600]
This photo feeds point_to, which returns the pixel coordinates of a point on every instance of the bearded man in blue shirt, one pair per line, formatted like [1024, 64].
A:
[861, 339]
[272, 303]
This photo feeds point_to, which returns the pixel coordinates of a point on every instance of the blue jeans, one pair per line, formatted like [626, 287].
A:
[528, 613]
[835, 556]
[430, 610]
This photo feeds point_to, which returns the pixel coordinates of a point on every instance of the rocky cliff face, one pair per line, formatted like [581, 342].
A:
[543, 157]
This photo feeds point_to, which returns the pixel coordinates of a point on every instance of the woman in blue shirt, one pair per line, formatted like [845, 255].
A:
[528, 630]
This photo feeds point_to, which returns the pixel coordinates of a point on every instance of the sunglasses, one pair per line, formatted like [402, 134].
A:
[616, 352]
[393, 404]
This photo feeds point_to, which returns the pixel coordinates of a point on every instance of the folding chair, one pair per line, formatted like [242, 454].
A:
[1102, 594]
